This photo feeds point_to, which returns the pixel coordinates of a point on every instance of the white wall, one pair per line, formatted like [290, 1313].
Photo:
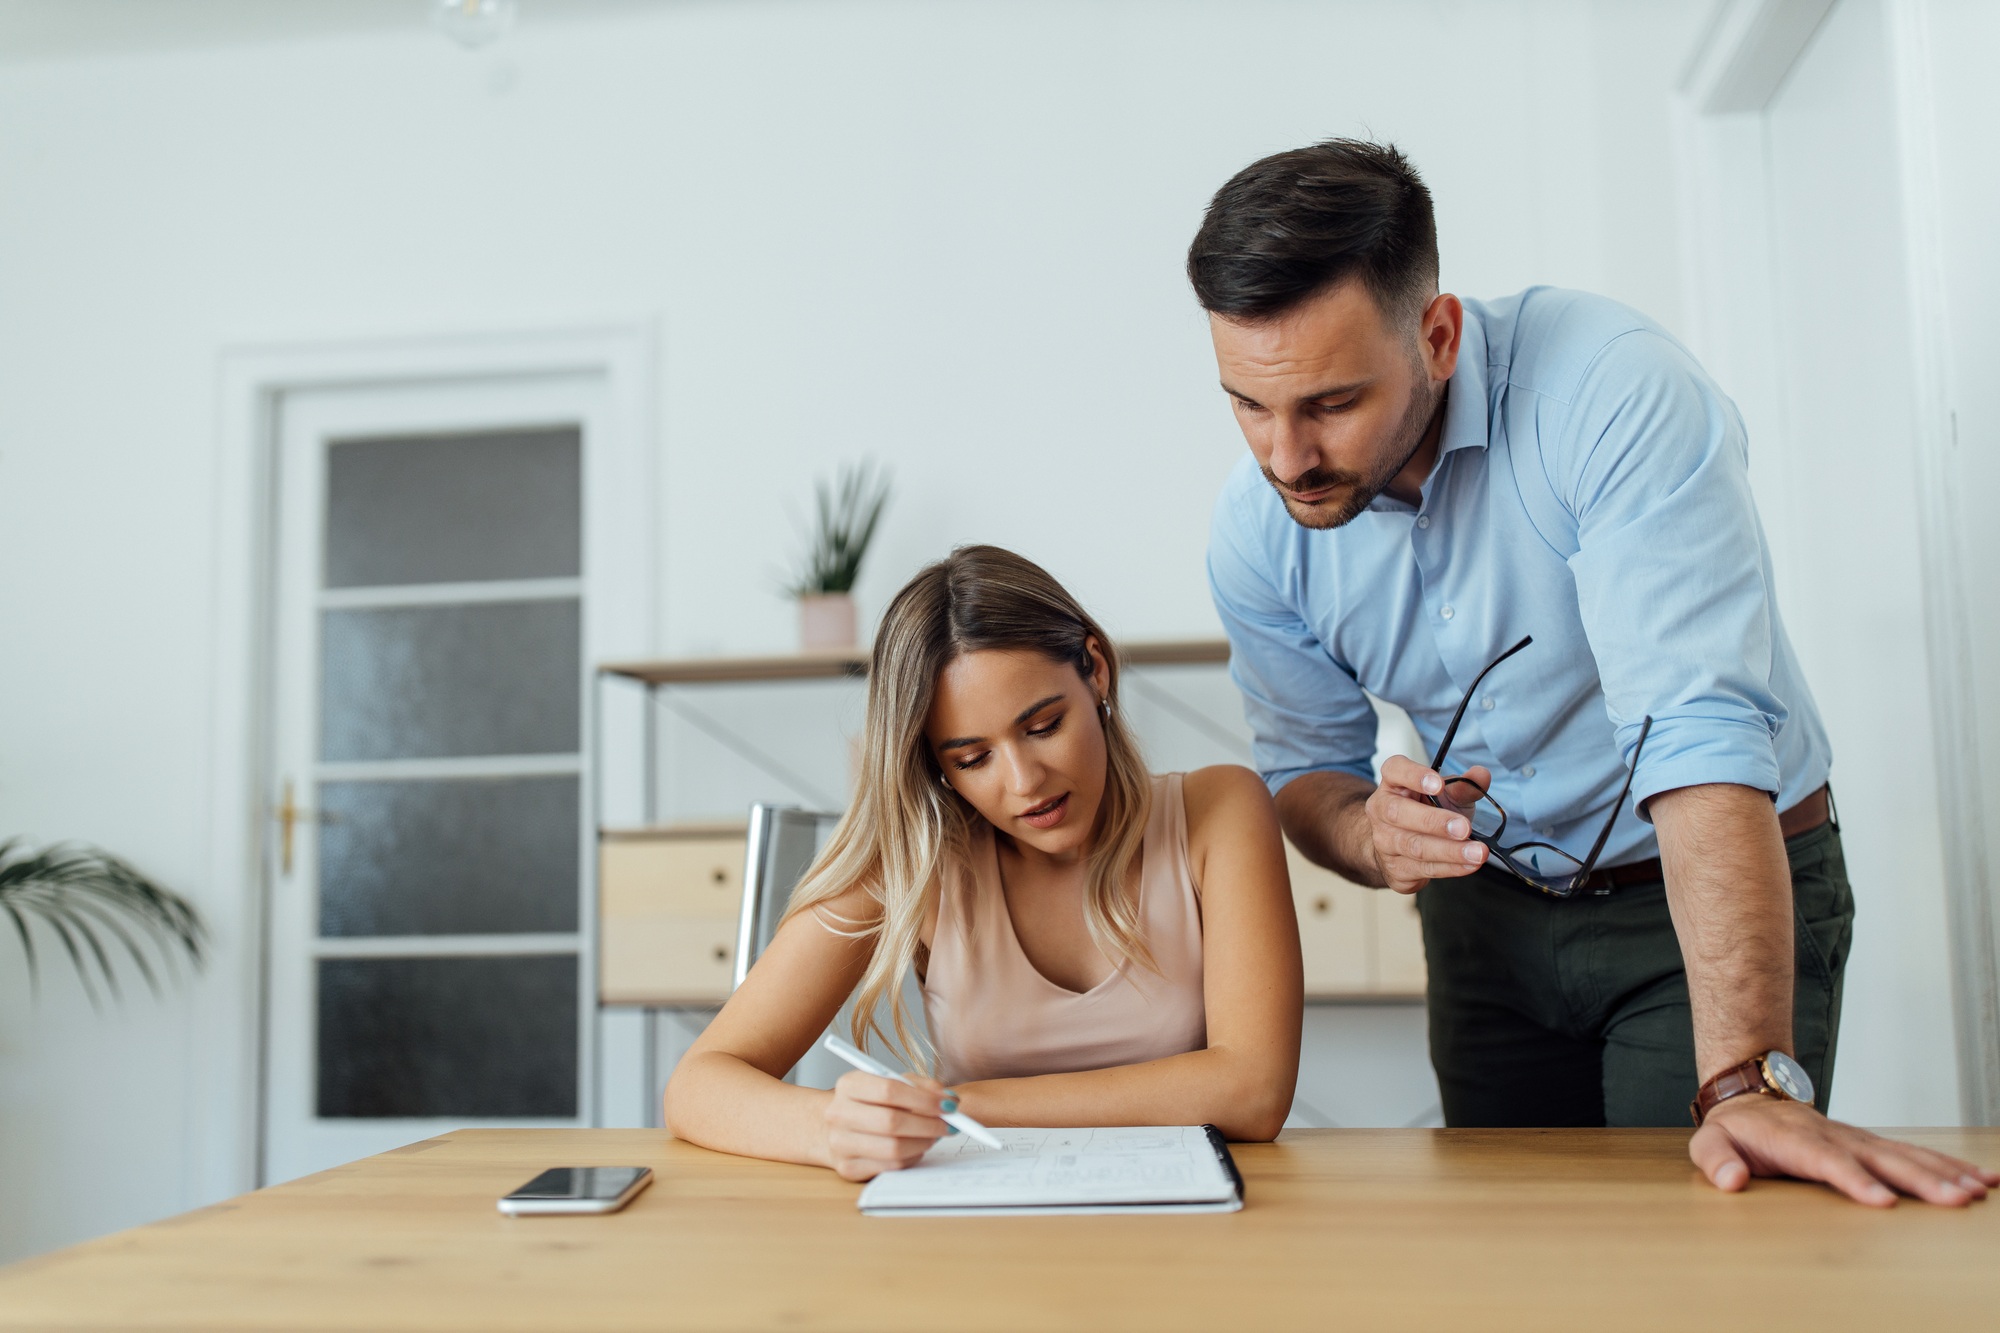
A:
[1848, 496]
[1952, 45]
[947, 234]
[1841, 294]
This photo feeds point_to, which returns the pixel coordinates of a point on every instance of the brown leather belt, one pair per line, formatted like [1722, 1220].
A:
[1804, 817]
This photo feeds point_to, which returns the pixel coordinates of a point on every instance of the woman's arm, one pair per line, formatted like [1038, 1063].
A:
[1252, 986]
[728, 1092]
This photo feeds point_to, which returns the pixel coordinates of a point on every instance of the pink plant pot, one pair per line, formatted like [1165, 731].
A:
[827, 622]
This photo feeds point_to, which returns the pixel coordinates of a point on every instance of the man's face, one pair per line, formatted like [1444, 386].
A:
[1335, 401]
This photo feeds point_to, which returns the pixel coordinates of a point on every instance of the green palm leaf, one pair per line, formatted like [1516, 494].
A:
[90, 900]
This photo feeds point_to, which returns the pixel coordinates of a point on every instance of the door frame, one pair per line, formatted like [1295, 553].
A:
[227, 1063]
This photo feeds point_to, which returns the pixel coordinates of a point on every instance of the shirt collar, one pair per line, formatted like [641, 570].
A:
[1465, 410]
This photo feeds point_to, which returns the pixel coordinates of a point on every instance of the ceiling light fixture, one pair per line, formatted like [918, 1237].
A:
[473, 23]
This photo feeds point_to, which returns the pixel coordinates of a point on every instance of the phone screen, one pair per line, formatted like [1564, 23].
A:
[580, 1182]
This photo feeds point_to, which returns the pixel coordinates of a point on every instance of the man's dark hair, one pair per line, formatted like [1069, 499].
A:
[1294, 224]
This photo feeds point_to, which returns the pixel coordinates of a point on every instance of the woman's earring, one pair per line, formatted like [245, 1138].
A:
[944, 782]
[1105, 704]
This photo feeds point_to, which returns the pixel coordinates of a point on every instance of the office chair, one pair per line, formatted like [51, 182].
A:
[783, 841]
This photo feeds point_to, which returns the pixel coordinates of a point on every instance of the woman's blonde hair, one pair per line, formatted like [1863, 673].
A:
[905, 825]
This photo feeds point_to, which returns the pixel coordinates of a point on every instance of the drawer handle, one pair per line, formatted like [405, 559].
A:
[721, 954]
[1322, 905]
[719, 875]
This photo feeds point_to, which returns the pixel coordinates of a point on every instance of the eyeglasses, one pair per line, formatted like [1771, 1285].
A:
[1543, 865]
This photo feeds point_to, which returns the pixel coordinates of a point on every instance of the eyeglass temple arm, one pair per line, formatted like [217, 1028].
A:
[1590, 862]
[1451, 732]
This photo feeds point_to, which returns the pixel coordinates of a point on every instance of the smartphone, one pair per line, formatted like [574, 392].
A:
[578, 1189]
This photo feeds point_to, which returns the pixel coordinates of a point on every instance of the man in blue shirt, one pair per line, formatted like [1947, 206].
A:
[1528, 523]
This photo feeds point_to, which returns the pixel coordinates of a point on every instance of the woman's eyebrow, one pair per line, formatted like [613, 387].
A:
[960, 742]
[1035, 708]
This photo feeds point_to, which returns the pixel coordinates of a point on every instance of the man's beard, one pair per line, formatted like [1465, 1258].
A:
[1359, 492]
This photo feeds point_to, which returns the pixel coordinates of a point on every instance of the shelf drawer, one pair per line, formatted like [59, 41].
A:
[695, 878]
[1355, 941]
[668, 902]
[1336, 928]
[660, 960]
[1399, 944]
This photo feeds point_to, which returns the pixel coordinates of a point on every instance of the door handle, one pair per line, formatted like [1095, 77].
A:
[288, 812]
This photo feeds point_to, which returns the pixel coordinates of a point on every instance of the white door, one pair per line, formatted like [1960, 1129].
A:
[429, 952]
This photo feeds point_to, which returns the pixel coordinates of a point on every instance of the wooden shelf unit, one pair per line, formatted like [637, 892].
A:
[853, 662]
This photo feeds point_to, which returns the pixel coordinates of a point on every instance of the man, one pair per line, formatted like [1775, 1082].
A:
[1528, 523]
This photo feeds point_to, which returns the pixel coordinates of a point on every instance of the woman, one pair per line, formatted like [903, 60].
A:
[1095, 945]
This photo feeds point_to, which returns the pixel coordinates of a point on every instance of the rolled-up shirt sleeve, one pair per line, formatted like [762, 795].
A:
[1307, 714]
[1672, 574]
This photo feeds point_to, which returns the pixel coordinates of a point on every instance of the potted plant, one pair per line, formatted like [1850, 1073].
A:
[91, 900]
[847, 508]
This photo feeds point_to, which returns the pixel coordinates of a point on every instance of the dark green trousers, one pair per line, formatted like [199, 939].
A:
[1546, 1012]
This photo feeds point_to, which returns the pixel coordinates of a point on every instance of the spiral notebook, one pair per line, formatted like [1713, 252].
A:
[1129, 1169]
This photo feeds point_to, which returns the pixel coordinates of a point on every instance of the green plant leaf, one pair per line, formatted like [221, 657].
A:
[846, 511]
[82, 894]
[105, 918]
[27, 942]
[54, 916]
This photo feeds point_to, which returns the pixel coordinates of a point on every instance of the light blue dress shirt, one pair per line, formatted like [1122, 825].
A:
[1592, 490]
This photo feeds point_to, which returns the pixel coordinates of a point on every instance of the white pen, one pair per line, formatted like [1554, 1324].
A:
[868, 1064]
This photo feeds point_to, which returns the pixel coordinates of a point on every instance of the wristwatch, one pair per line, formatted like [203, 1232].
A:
[1772, 1074]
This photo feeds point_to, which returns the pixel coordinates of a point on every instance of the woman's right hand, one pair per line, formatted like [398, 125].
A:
[876, 1124]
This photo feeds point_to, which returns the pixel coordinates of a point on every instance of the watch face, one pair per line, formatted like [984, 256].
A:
[1792, 1080]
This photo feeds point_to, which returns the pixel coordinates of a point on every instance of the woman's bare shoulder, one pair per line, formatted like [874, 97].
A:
[1224, 789]
[1227, 806]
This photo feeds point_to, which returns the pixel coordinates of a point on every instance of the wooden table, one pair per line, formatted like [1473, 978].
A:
[1481, 1230]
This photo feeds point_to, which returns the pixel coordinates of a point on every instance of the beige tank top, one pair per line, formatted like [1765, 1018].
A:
[993, 1015]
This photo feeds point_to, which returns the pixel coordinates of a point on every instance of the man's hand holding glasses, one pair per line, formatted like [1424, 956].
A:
[1428, 826]
[1417, 840]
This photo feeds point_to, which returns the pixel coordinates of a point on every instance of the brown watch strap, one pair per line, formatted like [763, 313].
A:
[1735, 1081]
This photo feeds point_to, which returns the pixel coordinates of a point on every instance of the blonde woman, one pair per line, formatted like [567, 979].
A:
[1095, 945]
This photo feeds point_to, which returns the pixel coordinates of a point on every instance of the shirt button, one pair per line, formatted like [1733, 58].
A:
[1423, 520]
[1528, 772]
[1445, 612]
[1487, 703]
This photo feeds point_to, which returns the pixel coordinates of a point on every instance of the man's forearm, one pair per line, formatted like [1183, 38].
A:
[1325, 816]
[1729, 888]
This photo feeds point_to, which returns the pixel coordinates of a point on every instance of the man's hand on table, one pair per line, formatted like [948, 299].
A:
[1761, 1136]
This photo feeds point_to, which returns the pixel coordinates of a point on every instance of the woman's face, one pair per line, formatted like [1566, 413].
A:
[1020, 737]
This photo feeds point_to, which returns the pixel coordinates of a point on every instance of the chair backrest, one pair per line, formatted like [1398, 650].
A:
[783, 841]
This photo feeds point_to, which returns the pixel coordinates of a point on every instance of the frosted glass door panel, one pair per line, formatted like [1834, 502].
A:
[422, 682]
[454, 508]
[448, 857]
[415, 1037]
